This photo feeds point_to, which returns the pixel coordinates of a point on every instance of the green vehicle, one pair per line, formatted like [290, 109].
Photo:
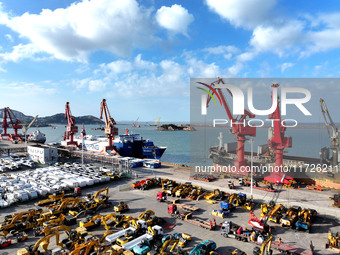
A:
[204, 248]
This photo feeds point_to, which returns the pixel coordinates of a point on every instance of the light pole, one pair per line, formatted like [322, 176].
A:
[251, 141]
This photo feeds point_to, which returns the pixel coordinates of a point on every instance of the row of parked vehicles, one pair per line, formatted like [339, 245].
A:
[31, 184]
[14, 163]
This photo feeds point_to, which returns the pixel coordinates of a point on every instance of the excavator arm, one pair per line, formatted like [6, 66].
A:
[48, 230]
[146, 215]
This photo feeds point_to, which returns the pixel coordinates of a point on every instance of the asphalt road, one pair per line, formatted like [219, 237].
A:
[140, 201]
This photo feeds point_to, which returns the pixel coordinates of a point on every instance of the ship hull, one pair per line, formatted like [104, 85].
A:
[302, 169]
[126, 148]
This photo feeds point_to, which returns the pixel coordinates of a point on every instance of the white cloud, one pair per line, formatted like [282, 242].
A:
[174, 18]
[243, 13]
[83, 27]
[200, 69]
[9, 37]
[97, 85]
[119, 66]
[277, 38]
[18, 53]
[284, 66]
[27, 88]
[226, 51]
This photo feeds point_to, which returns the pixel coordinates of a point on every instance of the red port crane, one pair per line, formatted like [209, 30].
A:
[239, 124]
[278, 142]
[15, 125]
[110, 130]
[71, 128]
[135, 123]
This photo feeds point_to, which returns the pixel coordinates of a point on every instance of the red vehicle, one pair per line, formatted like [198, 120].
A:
[143, 184]
[161, 196]
[77, 191]
[257, 223]
[5, 242]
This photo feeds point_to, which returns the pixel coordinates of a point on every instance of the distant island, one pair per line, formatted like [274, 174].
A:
[173, 127]
[51, 120]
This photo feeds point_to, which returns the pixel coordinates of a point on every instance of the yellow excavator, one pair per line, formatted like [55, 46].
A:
[116, 250]
[91, 223]
[51, 199]
[20, 222]
[43, 243]
[55, 209]
[212, 195]
[167, 243]
[146, 215]
[121, 207]
[275, 214]
[99, 197]
[55, 221]
[47, 231]
[86, 247]
[263, 251]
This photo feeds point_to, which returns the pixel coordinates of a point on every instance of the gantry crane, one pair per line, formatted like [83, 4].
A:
[135, 123]
[239, 129]
[15, 125]
[278, 141]
[110, 130]
[71, 128]
[25, 129]
[333, 135]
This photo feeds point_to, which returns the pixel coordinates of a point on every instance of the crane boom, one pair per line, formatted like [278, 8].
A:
[71, 128]
[333, 134]
[329, 124]
[15, 125]
[110, 130]
[238, 124]
[25, 129]
[278, 142]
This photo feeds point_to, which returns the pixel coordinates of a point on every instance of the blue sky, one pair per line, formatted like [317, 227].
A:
[140, 55]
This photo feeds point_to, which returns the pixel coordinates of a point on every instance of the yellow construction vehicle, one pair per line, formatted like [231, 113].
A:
[54, 221]
[47, 231]
[106, 218]
[90, 223]
[305, 219]
[167, 243]
[184, 190]
[197, 191]
[117, 250]
[56, 209]
[51, 199]
[121, 207]
[20, 222]
[212, 195]
[291, 217]
[248, 205]
[236, 200]
[86, 247]
[43, 242]
[106, 233]
[146, 215]
[96, 201]
[333, 241]
[263, 251]
[129, 235]
[275, 214]
[123, 221]
[168, 185]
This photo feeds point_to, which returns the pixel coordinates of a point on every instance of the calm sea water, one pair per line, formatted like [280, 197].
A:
[184, 147]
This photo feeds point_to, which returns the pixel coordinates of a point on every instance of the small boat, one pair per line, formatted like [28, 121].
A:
[37, 137]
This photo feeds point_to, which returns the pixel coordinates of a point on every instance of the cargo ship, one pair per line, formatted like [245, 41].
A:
[127, 145]
[302, 169]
